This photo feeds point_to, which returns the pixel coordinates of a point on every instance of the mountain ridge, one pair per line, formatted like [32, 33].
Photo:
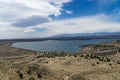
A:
[88, 34]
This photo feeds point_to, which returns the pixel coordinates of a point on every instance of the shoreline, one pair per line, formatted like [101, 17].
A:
[9, 52]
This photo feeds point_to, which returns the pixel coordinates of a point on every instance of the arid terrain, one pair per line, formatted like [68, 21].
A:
[94, 62]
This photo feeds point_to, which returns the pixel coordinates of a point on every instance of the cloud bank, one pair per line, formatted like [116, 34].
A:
[31, 19]
[22, 10]
[89, 24]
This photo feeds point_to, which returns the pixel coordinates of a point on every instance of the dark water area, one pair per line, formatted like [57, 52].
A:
[71, 46]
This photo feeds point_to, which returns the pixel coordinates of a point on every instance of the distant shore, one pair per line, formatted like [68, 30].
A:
[61, 38]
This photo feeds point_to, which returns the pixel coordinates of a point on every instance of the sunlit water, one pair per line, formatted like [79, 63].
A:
[71, 46]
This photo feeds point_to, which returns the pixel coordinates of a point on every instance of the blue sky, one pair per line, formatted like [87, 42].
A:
[43, 18]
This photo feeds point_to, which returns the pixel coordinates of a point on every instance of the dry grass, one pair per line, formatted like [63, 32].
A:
[24, 66]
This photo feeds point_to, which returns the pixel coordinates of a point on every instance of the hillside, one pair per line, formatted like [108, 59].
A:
[94, 62]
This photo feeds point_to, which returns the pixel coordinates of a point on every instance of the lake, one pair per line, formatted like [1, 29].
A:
[71, 46]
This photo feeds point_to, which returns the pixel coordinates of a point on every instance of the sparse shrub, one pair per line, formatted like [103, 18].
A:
[44, 71]
[118, 62]
[110, 64]
[108, 59]
[29, 71]
[39, 75]
[93, 64]
[75, 55]
[34, 67]
[51, 54]
[113, 61]
[31, 78]
[77, 77]
[98, 63]
[21, 75]
[101, 59]
[39, 70]
[69, 55]
[67, 63]
[81, 55]
[18, 71]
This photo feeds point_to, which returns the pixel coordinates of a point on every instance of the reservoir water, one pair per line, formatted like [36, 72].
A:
[71, 46]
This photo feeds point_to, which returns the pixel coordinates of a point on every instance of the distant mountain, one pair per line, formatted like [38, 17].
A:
[89, 34]
[77, 36]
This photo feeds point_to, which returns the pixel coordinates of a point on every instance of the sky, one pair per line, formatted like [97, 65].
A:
[44, 18]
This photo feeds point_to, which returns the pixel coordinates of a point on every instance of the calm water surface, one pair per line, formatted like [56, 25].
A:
[54, 45]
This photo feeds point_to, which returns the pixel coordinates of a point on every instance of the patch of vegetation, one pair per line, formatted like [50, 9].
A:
[98, 62]
[118, 62]
[21, 75]
[29, 71]
[38, 70]
[93, 56]
[92, 64]
[31, 78]
[67, 63]
[110, 64]
[18, 71]
[51, 54]
[39, 74]
[77, 77]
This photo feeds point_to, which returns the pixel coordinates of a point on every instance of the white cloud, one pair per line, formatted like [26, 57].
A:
[90, 24]
[10, 10]
[69, 12]
[13, 10]
[27, 30]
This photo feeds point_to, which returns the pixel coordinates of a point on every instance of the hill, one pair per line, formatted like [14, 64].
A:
[88, 34]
